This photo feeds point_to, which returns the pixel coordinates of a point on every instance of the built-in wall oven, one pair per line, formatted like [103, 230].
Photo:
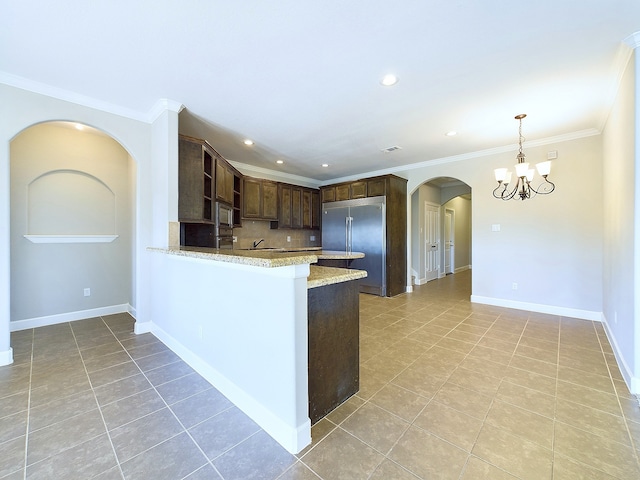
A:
[224, 226]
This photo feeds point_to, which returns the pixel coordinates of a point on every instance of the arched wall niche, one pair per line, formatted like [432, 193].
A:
[72, 224]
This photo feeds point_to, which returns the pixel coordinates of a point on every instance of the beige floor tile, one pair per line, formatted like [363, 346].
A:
[522, 458]
[569, 469]
[375, 427]
[546, 355]
[450, 425]
[400, 401]
[539, 343]
[527, 398]
[589, 397]
[532, 380]
[340, 456]
[533, 365]
[522, 423]
[486, 367]
[388, 470]
[414, 380]
[428, 456]
[586, 379]
[464, 400]
[594, 421]
[595, 451]
[476, 381]
[484, 353]
[347, 408]
[477, 469]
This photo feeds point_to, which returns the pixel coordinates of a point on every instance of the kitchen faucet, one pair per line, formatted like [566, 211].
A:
[257, 242]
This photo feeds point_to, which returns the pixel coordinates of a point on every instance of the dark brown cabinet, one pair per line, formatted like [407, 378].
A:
[260, 199]
[298, 207]
[394, 189]
[224, 182]
[204, 178]
[195, 181]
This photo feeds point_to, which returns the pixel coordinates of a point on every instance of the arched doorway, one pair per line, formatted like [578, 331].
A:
[72, 225]
[440, 229]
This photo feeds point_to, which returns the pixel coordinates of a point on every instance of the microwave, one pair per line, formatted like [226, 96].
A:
[224, 215]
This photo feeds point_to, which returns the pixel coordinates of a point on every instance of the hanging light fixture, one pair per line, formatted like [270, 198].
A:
[524, 175]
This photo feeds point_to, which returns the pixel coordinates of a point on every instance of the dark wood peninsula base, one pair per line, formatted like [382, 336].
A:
[334, 355]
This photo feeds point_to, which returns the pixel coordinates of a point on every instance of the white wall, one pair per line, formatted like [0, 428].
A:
[67, 182]
[245, 330]
[550, 245]
[621, 186]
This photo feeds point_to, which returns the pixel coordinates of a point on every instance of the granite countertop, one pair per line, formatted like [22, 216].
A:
[256, 258]
[268, 258]
[322, 276]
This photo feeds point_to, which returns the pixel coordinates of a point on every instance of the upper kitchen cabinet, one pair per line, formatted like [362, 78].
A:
[195, 180]
[369, 187]
[205, 177]
[298, 207]
[260, 199]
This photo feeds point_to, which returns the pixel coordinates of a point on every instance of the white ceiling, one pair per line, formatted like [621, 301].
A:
[301, 78]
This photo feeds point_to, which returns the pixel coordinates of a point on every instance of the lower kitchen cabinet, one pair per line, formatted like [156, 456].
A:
[334, 354]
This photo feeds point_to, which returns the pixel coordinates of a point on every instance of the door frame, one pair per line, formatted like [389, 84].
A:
[431, 207]
[449, 213]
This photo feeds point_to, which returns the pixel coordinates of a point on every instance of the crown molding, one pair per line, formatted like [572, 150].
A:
[90, 102]
[633, 40]
[468, 156]
[250, 169]
[163, 105]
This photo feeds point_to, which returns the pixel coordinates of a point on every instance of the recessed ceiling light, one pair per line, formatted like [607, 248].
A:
[325, 165]
[452, 133]
[389, 80]
[248, 142]
[279, 162]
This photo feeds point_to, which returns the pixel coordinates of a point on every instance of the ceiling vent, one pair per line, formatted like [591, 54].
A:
[391, 149]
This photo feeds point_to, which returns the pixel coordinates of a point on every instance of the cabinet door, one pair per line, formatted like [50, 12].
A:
[316, 210]
[221, 181]
[228, 185]
[269, 200]
[306, 208]
[252, 198]
[284, 198]
[358, 189]
[375, 187]
[328, 194]
[342, 192]
[296, 207]
[195, 172]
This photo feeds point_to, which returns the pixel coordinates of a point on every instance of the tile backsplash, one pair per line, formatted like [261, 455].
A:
[254, 230]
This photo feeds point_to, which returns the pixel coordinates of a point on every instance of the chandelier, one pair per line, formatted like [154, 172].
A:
[524, 175]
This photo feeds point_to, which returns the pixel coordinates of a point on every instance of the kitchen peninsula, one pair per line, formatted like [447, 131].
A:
[245, 320]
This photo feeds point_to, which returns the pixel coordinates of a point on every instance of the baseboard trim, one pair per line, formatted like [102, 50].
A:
[6, 357]
[633, 382]
[539, 308]
[462, 269]
[67, 317]
[293, 439]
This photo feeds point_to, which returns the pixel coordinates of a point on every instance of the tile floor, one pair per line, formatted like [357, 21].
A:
[449, 390]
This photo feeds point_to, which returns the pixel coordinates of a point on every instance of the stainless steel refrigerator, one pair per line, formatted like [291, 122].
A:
[359, 226]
